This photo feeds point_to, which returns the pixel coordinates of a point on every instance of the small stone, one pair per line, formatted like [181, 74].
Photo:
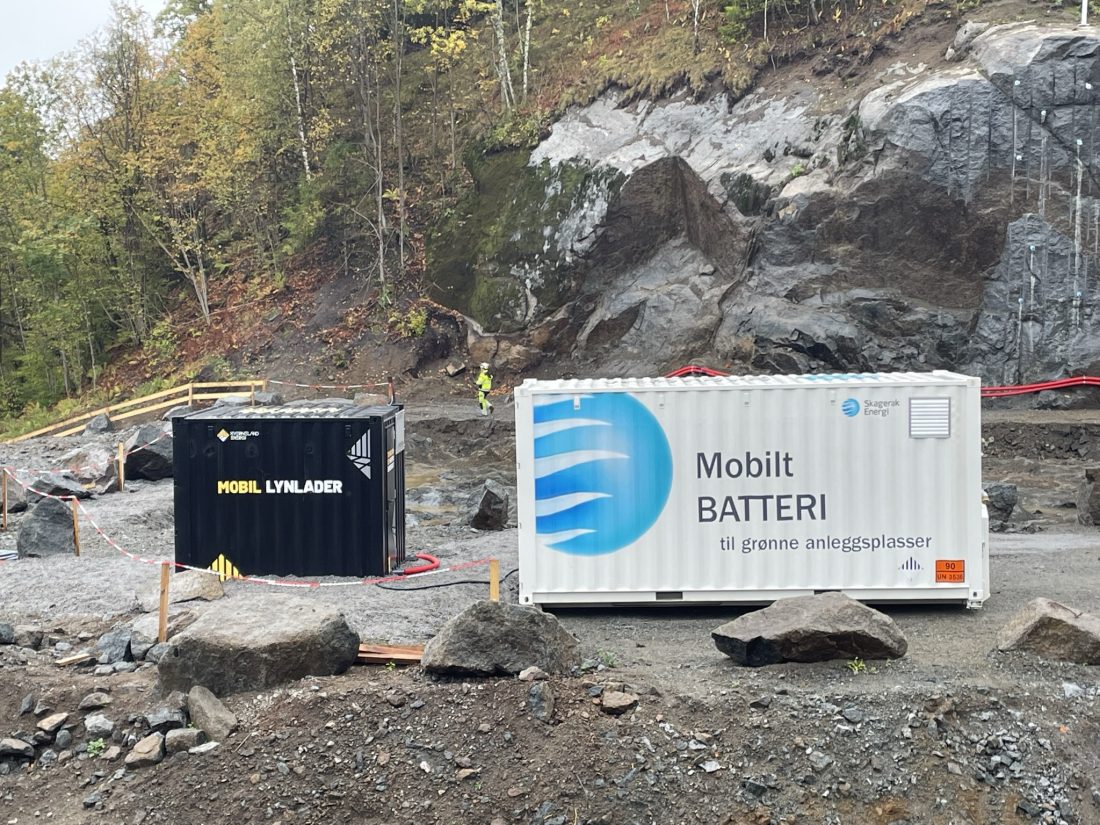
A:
[396, 698]
[853, 715]
[103, 670]
[282, 768]
[1072, 690]
[94, 701]
[64, 739]
[540, 701]
[383, 758]
[954, 768]
[205, 748]
[484, 727]
[165, 719]
[47, 758]
[820, 761]
[16, 747]
[762, 703]
[710, 766]
[124, 667]
[148, 751]
[93, 799]
[183, 739]
[533, 674]
[27, 705]
[515, 791]
[98, 726]
[465, 773]
[112, 754]
[41, 708]
[617, 702]
[51, 724]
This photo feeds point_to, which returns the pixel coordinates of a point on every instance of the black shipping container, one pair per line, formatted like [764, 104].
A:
[303, 489]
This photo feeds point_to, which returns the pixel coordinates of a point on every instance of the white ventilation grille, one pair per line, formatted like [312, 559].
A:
[929, 417]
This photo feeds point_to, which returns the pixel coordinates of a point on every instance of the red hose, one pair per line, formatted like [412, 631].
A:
[432, 564]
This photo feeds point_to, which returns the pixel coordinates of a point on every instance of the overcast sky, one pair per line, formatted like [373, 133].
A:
[38, 29]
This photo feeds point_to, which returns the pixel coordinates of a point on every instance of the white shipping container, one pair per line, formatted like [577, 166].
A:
[749, 489]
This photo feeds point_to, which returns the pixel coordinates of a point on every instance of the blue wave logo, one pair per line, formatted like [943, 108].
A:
[603, 471]
[850, 408]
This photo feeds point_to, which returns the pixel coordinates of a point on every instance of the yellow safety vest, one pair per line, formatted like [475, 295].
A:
[484, 382]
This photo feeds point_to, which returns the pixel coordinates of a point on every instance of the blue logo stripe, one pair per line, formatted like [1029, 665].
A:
[601, 484]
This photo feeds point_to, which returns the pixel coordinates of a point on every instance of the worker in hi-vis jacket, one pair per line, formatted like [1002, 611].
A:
[484, 385]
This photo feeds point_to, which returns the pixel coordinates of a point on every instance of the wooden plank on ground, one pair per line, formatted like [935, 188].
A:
[77, 659]
[384, 654]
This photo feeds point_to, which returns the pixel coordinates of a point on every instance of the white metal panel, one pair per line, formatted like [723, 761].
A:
[738, 489]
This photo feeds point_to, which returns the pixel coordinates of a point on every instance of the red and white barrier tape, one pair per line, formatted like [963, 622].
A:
[89, 468]
[250, 579]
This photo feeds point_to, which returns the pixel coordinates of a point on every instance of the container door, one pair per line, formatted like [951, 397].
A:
[390, 514]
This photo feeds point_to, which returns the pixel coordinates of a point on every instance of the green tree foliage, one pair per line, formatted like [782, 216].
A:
[230, 135]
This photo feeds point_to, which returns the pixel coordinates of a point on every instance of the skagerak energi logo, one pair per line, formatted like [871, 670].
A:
[876, 408]
[603, 472]
[850, 408]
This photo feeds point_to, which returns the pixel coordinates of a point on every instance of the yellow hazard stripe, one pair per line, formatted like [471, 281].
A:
[225, 569]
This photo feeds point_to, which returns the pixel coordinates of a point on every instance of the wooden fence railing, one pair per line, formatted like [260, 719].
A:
[186, 394]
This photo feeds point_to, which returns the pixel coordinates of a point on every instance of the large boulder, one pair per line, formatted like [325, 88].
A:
[145, 630]
[114, 646]
[89, 465]
[1002, 501]
[100, 424]
[229, 650]
[492, 508]
[810, 629]
[492, 639]
[1088, 497]
[183, 586]
[58, 484]
[47, 530]
[17, 495]
[1053, 631]
[149, 452]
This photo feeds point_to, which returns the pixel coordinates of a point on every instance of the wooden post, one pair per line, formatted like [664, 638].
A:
[121, 466]
[494, 580]
[190, 395]
[76, 526]
[4, 525]
[265, 385]
[162, 626]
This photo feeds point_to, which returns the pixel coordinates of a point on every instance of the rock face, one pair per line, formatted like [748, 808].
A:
[492, 508]
[227, 650]
[1088, 498]
[810, 629]
[153, 461]
[492, 638]
[1053, 631]
[933, 222]
[47, 530]
[183, 586]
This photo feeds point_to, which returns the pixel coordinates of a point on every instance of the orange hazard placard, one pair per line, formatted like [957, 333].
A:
[950, 570]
